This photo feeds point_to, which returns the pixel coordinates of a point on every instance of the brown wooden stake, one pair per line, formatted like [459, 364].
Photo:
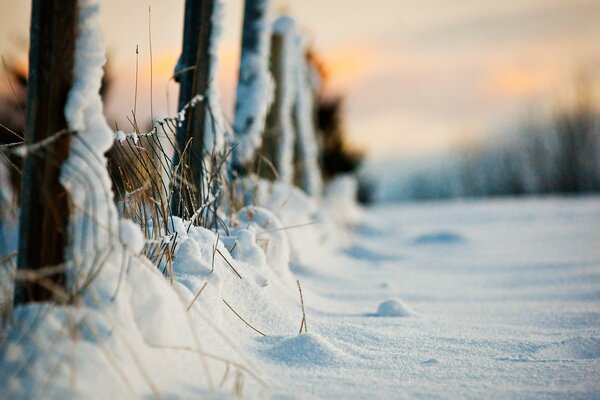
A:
[193, 74]
[271, 141]
[44, 202]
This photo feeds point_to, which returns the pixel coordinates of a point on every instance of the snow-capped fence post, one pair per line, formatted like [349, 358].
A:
[44, 201]
[193, 75]
[306, 151]
[254, 88]
[278, 141]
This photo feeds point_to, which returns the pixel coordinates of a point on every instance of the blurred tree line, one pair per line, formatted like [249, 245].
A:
[555, 154]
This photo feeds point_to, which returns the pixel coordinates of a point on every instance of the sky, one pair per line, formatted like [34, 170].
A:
[419, 77]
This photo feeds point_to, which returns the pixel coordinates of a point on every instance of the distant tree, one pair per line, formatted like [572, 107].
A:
[577, 143]
[336, 156]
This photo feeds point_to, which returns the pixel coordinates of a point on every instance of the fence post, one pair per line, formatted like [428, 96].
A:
[306, 151]
[44, 201]
[253, 90]
[278, 142]
[193, 74]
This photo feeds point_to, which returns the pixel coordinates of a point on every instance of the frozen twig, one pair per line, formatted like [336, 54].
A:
[243, 320]
[303, 322]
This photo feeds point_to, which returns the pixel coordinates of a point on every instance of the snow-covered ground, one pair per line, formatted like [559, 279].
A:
[480, 299]
[495, 299]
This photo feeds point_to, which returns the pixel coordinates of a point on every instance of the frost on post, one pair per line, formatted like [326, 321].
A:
[94, 224]
[254, 90]
[278, 146]
[307, 152]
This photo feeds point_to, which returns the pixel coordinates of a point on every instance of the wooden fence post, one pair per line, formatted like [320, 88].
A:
[44, 202]
[278, 142]
[193, 74]
[307, 174]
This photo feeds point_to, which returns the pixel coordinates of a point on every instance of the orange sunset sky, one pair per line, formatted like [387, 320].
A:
[418, 75]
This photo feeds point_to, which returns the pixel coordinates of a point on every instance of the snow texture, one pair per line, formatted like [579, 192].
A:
[577, 348]
[513, 312]
[340, 200]
[255, 86]
[303, 351]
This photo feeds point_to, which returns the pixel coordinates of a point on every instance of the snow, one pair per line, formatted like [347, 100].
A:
[339, 200]
[94, 222]
[393, 308]
[303, 351]
[510, 310]
[265, 226]
[84, 106]
[131, 236]
[577, 348]
[120, 136]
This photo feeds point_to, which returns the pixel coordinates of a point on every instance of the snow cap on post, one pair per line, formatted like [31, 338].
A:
[94, 225]
[83, 110]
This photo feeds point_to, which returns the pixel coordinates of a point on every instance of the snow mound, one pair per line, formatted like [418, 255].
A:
[270, 234]
[577, 348]
[340, 200]
[393, 308]
[442, 237]
[305, 350]
[304, 224]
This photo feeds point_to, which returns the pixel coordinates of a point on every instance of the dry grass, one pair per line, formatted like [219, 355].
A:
[150, 187]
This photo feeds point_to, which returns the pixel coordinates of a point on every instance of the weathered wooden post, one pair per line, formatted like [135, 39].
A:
[254, 89]
[44, 202]
[278, 142]
[307, 174]
[193, 74]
